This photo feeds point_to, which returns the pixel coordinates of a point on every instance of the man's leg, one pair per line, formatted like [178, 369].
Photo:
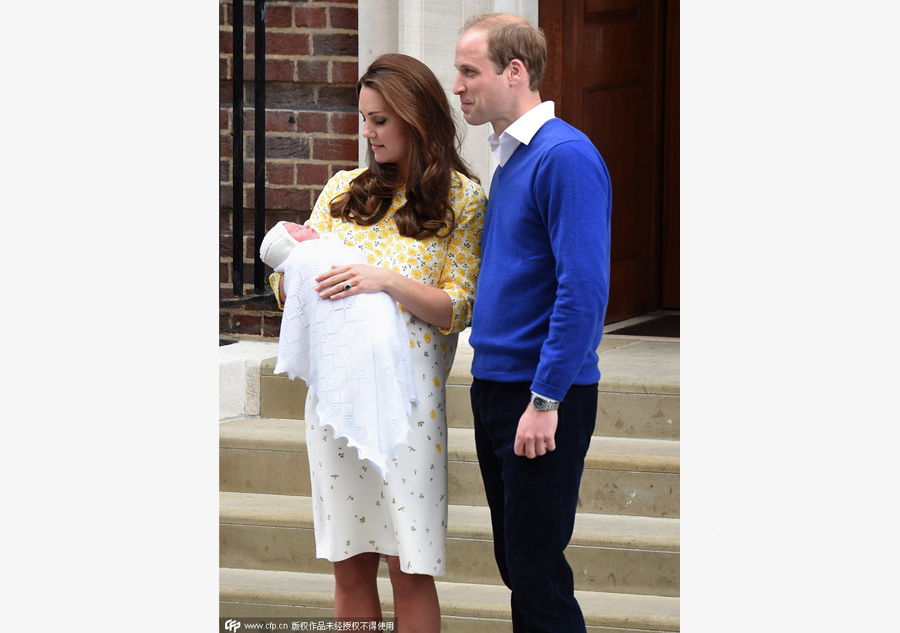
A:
[485, 396]
[538, 501]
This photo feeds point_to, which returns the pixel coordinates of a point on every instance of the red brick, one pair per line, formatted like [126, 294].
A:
[224, 119]
[225, 68]
[280, 173]
[312, 122]
[289, 96]
[334, 149]
[337, 98]
[225, 219]
[225, 146]
[249, 14]
[310, 174]
[225, 325]
[344, 18]
[281, 121]
[226, 92]
[259, 305]
[344, 72]
[291, 199]
[278, 17]
[276, 69]
[224, 171]
[226, 247]
[280, 147]
[225, 43]
[249, 173]
[272, 323]
[276, 120]
[344, 123]
[336, 44]
[276, 216]
[249, 223]
[225, 196]
[309, 18]
[247, 324]
[287, 44]
[312, 71]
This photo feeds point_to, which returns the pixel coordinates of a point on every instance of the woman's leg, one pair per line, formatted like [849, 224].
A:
[416, 607]
[355, 588]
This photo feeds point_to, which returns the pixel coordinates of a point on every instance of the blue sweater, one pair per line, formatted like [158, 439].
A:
[544, 281]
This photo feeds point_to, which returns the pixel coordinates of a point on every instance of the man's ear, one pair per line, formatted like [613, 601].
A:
[517, 72]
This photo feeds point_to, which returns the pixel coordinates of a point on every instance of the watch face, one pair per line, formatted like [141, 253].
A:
[542, 404]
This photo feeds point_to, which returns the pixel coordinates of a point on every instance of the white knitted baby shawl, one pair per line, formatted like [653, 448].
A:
[354, 353]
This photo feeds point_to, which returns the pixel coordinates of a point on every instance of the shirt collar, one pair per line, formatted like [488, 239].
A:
[522, 130]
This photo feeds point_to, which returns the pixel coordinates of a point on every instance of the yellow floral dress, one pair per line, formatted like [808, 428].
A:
[405, 513]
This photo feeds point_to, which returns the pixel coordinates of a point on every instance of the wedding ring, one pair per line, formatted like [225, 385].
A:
[347, 286]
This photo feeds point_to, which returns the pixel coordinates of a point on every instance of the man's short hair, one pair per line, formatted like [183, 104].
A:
[511, 37]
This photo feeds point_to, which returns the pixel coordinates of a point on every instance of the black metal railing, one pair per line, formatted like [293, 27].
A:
[259, 171]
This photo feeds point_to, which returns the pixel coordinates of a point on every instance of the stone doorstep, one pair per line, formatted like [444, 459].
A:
[591, 530]
[608, 553]
[626, 365]
[618, 414]
[639, 389]
[607, 453]
[622, 475]
[462, 604]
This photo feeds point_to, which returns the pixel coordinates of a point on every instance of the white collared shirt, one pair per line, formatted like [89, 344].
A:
[522, 130]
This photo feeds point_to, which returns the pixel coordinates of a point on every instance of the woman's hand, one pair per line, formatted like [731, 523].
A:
[343, 281]
[430, 304]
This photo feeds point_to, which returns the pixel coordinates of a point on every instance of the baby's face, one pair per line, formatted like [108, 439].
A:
[300, 232]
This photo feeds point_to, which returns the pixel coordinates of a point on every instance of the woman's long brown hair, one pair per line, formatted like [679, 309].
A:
[415, 94]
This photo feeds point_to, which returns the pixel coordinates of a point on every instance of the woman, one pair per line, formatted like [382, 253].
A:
[417, 214]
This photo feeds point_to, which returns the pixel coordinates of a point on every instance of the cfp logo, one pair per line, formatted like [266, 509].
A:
[232, 625]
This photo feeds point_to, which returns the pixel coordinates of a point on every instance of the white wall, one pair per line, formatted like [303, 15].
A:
[428, 30]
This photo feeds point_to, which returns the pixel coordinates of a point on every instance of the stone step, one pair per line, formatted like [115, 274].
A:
[644, 415]
[639, 389]
[465, 607]
[609, 553]
[628, 476]
[625, 476]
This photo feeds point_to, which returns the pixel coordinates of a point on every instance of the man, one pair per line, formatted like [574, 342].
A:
[538, 315]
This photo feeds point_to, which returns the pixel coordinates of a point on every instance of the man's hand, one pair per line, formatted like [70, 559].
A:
[536, 434]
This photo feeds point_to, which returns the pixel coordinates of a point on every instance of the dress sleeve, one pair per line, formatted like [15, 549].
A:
[463, 260]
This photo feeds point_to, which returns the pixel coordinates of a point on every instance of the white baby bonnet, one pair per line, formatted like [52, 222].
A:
[276, 246]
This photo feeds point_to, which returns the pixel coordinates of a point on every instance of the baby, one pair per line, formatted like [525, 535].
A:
[353, 352]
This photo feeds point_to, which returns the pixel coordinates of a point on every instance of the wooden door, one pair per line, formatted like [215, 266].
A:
[613, 72]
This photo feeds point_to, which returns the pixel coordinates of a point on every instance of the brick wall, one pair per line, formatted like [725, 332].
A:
[311, 130]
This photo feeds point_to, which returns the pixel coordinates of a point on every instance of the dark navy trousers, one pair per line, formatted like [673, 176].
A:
[533, 501]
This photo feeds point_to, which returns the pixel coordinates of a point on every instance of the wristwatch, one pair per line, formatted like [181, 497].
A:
[543, 404]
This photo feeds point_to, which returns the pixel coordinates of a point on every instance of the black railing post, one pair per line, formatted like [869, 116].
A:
[237, 107]
[259, 85]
